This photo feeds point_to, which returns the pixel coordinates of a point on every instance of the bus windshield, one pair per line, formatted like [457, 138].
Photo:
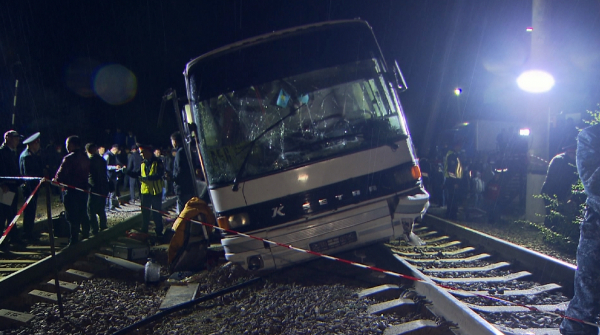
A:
[313, 116]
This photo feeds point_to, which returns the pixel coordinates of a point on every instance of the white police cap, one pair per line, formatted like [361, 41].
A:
[32, 138]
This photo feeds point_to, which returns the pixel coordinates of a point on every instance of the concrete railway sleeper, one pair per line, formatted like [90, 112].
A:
[449, 278]
[511, 289]
[35, 264]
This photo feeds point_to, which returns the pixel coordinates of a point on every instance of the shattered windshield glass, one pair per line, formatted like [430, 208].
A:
[334, 111]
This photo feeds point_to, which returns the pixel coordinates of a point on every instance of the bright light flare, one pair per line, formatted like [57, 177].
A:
[457, 91]
[529, 29]
[535, 81]
[524, 132]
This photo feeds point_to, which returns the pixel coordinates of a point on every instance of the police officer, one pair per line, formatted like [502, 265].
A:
[151, 177]
[9, 167]
[586, 301]
[31, 165]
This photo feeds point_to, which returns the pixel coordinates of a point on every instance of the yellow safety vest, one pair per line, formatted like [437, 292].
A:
[453, 174]
[153, 187]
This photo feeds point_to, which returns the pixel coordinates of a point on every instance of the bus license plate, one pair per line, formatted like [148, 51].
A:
[334, 242]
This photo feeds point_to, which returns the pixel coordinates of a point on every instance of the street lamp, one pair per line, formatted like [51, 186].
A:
[535, 81]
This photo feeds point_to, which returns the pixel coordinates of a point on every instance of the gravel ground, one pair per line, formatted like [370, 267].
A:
[304, 300]
[296, 301]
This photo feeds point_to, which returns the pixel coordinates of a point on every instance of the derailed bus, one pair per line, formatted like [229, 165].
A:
[302, 140]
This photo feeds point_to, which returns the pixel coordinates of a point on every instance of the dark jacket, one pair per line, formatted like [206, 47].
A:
[112, 161]
[98, 178]
[9, 167]
[183, 181]
[74, 170]
[134, 161]
[588, 164]
[31, 165]
[562, 174]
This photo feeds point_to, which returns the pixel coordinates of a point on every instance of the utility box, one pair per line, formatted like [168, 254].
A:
[131, 252]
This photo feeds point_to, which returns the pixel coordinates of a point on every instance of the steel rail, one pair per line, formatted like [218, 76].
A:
[542, 265]
[445, 305]
[14, 282]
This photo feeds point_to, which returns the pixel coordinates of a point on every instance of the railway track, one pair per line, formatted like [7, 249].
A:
[455, 259]
[459, 268]
[23, 267]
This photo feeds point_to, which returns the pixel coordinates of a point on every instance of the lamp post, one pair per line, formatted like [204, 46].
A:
[537, 82]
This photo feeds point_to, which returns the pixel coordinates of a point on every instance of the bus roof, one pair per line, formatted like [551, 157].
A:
[275, 35]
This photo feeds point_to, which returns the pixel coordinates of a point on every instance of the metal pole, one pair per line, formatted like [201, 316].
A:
[53, 251]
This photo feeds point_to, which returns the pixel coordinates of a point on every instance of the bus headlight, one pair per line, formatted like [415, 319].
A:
[238, 220]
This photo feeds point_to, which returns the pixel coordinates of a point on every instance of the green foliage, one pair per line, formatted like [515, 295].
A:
[595, 117]
[561, 224]
[551, 237]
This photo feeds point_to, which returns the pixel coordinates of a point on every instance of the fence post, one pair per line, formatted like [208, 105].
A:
[53, 250]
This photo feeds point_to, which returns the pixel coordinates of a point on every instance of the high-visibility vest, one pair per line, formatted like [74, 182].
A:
[454, 173]
[153, 187]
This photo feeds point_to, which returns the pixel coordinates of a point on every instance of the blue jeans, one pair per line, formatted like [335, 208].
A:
[134, 185]
[154, 202]
[586, 301]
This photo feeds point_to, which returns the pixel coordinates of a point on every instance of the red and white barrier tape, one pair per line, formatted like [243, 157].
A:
[21, 178]
[14, 221]
[291, 247]
[394, 274]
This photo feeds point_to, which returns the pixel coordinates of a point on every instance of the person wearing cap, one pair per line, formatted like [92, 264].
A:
[151, 177]
[134, 162]
[9, 167]
[74, 171]
[31, 165]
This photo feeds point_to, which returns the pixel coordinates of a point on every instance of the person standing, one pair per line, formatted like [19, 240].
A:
[98, 181]
[119, 138]
[561, 176]
[130, 140]
[453, 173]
[74, 171]
[585, 304]
[134, 163]
[151, 177]
[158, 154]
[9, 167]
[183, 181]
[31, 165]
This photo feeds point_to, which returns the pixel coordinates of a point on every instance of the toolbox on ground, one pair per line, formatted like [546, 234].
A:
[130, 252]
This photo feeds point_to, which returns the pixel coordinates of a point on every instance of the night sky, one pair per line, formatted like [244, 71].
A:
[68, 55]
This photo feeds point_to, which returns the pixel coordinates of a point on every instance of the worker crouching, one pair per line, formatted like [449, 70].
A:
[151, 179]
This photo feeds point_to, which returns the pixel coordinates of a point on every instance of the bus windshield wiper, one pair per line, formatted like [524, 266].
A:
[238, 175]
